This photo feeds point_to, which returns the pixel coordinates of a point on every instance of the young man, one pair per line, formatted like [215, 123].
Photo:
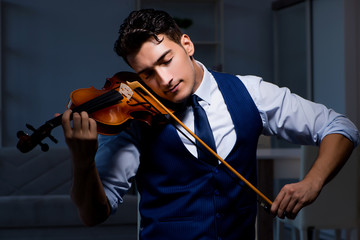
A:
[182, 196]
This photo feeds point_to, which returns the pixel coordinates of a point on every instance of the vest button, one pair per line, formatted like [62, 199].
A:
[216, 192]
[218, 215]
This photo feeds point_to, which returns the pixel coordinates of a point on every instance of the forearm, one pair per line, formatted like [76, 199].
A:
[334, 151]
[88, 195]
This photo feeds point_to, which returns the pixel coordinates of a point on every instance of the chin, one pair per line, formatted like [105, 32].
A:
[180, 99]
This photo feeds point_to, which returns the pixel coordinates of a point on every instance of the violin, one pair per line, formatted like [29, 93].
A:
[112, 107]
[121, 100]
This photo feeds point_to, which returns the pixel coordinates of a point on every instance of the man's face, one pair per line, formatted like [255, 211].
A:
[167, 68]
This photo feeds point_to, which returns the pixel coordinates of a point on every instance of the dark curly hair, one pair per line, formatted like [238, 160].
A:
[140, 25]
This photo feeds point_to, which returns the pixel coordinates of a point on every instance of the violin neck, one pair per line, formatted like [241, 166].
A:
[53, 123]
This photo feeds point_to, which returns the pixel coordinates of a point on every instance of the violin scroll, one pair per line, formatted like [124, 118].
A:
[28, 142]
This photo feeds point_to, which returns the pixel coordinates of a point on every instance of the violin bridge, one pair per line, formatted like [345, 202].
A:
[125, 90]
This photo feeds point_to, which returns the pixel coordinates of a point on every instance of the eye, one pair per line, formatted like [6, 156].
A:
[167, 61]
[147, 75]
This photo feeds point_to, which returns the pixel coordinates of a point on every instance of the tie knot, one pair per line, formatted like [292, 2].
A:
[195, 100]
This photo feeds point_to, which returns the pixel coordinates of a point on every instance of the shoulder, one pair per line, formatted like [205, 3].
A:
[253, 85]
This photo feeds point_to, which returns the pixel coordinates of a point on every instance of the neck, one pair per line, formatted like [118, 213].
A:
[199, 74]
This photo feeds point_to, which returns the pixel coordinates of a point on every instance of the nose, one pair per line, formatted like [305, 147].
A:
[164, 77]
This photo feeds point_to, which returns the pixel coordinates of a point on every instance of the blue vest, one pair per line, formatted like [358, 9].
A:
[185, 198]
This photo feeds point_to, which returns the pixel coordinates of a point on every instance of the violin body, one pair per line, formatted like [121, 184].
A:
[116, 117]
[112, 107]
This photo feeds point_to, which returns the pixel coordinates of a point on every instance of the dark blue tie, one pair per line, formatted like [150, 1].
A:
[204, 132]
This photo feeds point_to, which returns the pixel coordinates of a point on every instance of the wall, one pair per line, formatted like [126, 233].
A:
[248, 38]
[329, 47]
[336, 35]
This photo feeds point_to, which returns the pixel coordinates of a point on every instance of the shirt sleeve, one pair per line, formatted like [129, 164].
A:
[117, 161]
[294, 118]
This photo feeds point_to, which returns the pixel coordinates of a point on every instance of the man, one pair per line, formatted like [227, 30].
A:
[182, 195]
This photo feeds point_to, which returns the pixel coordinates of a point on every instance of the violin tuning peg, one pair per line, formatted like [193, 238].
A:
[30, 127]
[20, 134]
[52, 138]
[44, 147]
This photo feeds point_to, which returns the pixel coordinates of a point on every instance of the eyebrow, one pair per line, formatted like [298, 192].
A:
[156, 62]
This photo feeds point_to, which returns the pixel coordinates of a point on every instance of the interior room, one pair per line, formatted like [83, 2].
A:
[49, 49]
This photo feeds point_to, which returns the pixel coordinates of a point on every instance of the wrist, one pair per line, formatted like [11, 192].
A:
[83, 164]
[315, 180]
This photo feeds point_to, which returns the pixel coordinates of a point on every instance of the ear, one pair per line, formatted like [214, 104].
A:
[187, 45]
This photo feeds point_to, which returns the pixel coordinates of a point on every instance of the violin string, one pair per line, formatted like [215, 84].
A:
[112, 97]
[147, 101]
[102, 101]
[107, 99]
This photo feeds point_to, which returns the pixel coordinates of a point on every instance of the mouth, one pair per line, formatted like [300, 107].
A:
[173, 88]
